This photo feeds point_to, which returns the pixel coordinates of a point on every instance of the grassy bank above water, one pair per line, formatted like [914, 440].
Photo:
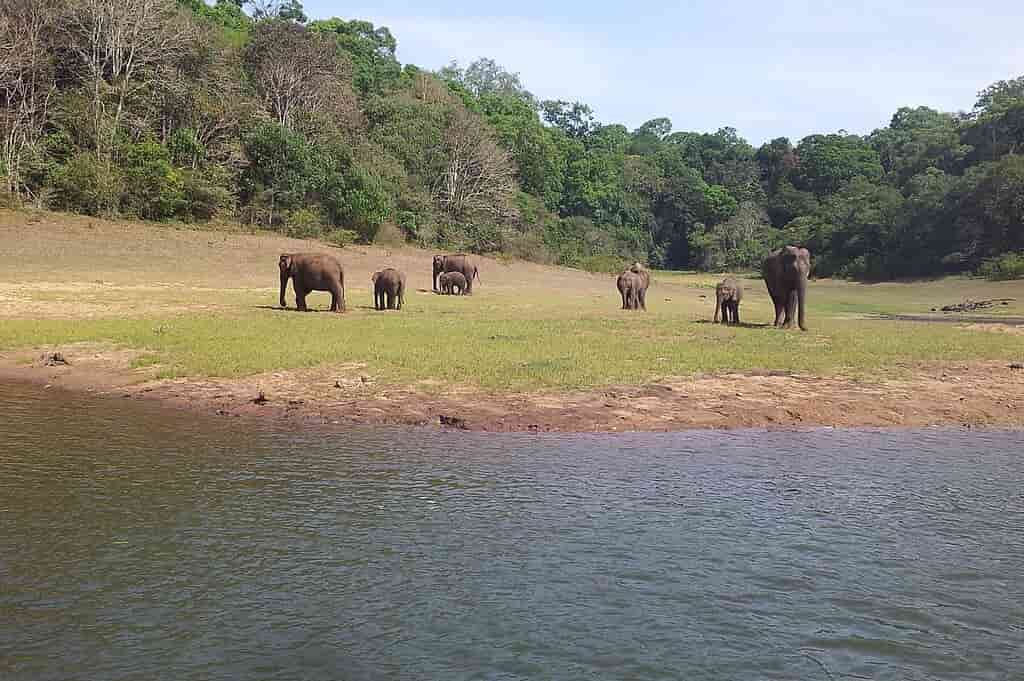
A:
[203, 304]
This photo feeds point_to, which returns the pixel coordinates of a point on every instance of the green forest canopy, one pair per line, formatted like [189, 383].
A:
[179, 110]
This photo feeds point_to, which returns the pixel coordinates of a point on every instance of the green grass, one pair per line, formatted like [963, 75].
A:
[503, 341]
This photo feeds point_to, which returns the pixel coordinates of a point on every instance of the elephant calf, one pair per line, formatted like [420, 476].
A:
[388, 289]
[728, 295]
[312, 272]
[453, 283]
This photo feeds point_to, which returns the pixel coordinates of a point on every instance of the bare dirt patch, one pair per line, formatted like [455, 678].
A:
[971, 394]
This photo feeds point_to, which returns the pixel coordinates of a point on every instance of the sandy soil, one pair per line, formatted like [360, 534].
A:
[967, 394]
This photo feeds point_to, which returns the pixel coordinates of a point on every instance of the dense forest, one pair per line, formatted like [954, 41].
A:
[177, 110]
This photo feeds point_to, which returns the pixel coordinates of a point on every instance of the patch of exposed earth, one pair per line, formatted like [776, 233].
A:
[972, 394]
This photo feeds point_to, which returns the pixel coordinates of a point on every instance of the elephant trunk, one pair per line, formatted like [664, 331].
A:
[284, 286]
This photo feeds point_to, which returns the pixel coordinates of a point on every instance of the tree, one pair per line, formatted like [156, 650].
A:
[574, 119]
[486, 77]
[915, 140]
[478, 177]
[996, 125]
[297, 72]
[827, 162]
[285, 10]
[119, 45]
[279, 173]
[27, 79]
[371, 49]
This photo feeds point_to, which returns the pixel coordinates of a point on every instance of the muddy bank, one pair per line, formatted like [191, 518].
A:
[963, 394]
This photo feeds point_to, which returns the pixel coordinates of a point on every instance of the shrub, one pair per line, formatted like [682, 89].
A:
[204, 195]
[86, 185]
[1007, 266]
[389, 234]
[154, 189]
[304, 224]
[604, 264]
[340, 237]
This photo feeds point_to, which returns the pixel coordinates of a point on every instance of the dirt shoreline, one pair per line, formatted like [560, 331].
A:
[949, 394]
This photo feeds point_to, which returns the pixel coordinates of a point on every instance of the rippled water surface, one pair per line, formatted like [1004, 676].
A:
[141, 544]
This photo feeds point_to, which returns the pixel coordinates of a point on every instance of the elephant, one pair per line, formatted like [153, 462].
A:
[785, 273]
[645, 281]
[728, 295]
[632, 285]
[312, 272]
[461, 263]
[450, 281]
[629, 285]
[388, 289]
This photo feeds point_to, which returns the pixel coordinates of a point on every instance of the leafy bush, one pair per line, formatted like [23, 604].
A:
[1005, 267]
[603, 264]
[340, 237]
[154, 189]
[304, 224]
[86, 185]
[205, 194]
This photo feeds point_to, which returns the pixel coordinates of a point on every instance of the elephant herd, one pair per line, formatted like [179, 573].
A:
[320, 272]
[785, 273]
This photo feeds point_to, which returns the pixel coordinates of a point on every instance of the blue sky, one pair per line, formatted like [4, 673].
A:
[768, 69]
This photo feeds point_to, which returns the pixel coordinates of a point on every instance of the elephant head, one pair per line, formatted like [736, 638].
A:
[438, 269]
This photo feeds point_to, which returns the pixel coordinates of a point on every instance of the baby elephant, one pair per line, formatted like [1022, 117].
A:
[388, 289]
[450, 282]
[728, 295]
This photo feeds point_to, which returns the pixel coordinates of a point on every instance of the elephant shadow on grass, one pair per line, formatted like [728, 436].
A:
[742, 325]
[291, 308]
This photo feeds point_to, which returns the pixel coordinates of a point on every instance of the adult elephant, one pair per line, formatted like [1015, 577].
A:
[785, 273]
[312, 272]
[388, 289]
[629, 284]
[456, 263]
[645, 281]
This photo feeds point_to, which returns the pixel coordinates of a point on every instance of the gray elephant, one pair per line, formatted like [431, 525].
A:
[629, 285]
[461, 263]
[388, 289]
[785, 273]
[632, 285]
[451, 282]
[728, 295]
[312, 272]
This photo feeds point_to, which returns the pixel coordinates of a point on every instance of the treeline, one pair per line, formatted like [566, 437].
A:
[179, 110]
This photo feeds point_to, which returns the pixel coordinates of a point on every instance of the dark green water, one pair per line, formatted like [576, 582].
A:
[138, 544]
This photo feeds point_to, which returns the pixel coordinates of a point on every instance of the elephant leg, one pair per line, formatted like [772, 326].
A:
[300, 299]
[718, 306]
[736, 312]
[780, 310]
[791, 303]
[334, 301]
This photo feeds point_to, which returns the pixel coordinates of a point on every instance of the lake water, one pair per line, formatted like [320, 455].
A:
[137, 543]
